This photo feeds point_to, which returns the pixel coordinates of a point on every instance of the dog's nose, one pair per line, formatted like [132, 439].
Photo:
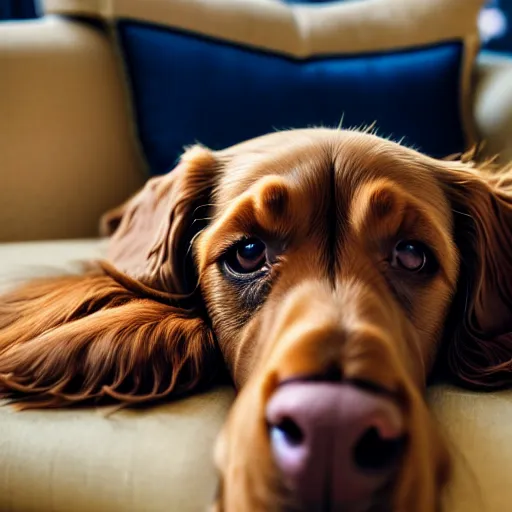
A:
[335, 444]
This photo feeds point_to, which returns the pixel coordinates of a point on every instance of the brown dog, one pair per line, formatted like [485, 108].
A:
[329, 269]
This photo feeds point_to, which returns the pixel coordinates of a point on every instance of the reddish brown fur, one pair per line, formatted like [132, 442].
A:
[88, 337]
[151, 321]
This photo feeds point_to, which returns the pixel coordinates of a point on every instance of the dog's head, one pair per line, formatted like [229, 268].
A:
[329, 263]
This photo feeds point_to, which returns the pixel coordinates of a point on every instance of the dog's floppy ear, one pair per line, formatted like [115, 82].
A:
[151, 241]
[480, 351]
[132, 329]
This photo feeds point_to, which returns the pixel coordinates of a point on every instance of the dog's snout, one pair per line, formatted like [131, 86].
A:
[334, 443]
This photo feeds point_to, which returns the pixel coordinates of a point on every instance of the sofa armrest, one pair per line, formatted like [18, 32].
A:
[493, 104]
[67, 151]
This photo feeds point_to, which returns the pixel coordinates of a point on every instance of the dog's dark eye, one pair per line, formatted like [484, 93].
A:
[247, 256]
[411, 255]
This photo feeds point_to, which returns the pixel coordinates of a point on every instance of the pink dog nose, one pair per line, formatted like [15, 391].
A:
[335, 444]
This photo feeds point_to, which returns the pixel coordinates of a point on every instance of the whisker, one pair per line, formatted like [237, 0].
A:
[458, 212]
[191, 244]
[201, 219]
[207, 205]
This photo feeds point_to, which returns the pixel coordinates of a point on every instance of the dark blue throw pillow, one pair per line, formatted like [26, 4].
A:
[224, 71]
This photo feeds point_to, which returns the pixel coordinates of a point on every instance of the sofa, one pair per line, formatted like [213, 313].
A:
[69, 152]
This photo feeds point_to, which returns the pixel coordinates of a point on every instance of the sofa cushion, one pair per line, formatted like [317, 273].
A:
[222, 71]
[158, 459]
[477, 429]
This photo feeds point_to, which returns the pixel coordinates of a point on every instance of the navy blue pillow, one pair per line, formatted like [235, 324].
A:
[190, 89]
[218, 73]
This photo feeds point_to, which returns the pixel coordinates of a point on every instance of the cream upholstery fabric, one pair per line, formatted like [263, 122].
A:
[493, 104]
[299, 30]
[160, 459]
[66, 148]
[152, 460]
[478, 428]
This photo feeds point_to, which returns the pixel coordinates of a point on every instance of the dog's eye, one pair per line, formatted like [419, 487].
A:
[411, 255]
[247, 256]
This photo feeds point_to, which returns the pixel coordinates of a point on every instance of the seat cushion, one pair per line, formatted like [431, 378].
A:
[478, 429]
[157, 459]
[160, 459]
[220, 72]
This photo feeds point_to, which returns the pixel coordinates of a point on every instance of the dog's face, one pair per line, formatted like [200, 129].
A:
[329, 270]
[340, 228]
[329, 258]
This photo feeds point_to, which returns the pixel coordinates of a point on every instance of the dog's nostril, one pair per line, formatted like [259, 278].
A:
[374, 453]
[333, 374]
[287, 431]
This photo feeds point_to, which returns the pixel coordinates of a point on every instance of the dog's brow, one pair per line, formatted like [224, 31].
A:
[221, 237]
[275, 199]
[262, 211]
[384, 210]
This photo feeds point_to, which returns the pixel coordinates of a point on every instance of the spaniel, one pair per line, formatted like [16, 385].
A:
[329, 272]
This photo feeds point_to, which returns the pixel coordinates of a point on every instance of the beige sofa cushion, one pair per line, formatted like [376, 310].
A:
[493, 104]
[94, 459]
[478, 427]
[160, 459]
[67, 152]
